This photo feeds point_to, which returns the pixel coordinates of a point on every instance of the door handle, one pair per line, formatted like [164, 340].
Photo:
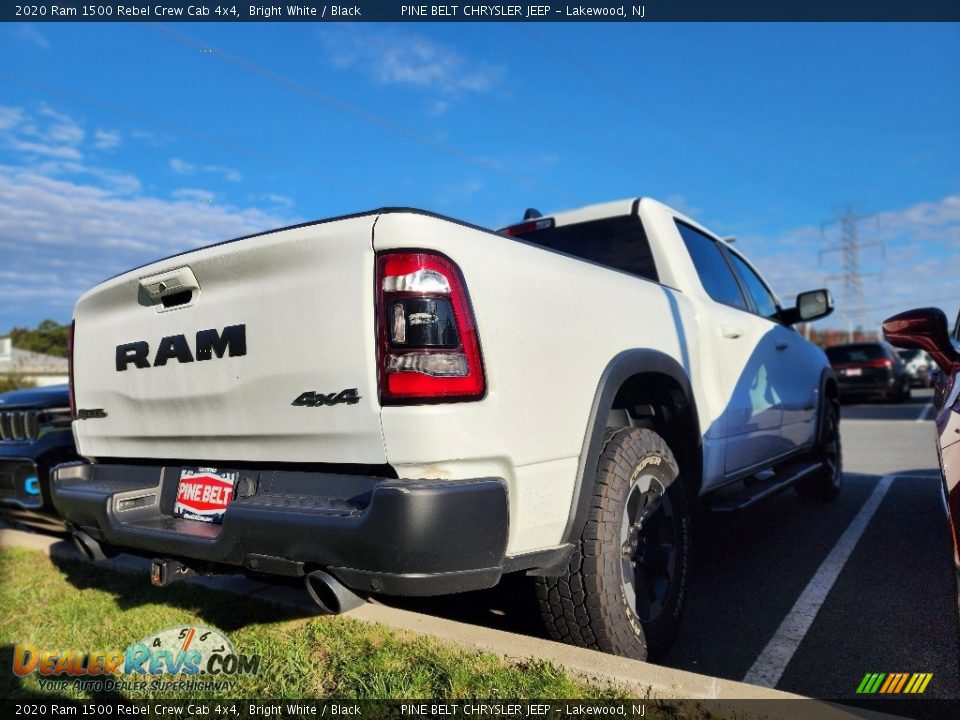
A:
[731, 331]
[782, 346]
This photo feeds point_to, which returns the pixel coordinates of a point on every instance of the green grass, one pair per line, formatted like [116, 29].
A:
[70, 605]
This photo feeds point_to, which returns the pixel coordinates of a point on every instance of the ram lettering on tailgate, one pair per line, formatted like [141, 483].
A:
[231, 341]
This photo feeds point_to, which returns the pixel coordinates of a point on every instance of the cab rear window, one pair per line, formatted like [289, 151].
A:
[619, 243]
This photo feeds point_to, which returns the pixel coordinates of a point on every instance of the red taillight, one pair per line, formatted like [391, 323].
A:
[72, 394]
[427, 344]
[882, 363]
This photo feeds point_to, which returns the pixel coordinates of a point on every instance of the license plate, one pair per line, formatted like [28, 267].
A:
[853, 372]
[204, 494]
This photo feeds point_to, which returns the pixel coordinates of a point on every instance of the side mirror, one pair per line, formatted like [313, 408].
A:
[924, 329]
[814, 304]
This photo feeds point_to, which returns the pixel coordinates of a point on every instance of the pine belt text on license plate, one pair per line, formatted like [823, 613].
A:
[204, 494]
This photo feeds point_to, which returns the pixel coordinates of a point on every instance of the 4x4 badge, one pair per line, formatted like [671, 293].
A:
[315, 399]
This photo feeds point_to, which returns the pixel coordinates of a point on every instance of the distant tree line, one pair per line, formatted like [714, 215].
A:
[831, 336]
[49, 338]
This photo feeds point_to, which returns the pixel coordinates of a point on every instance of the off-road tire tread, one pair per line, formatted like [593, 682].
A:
[584, 605]
[820, 487]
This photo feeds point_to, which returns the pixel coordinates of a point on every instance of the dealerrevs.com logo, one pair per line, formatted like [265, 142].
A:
[191, 651]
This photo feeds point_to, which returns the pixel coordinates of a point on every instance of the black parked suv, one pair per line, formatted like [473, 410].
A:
[35, 436]
[869, 370]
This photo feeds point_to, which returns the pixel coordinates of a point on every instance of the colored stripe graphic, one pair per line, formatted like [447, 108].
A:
[893, 683]
[891, 679]
[870, 683]
[903, 681]
[876, 683]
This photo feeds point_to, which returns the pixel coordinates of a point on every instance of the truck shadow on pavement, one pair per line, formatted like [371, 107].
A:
[218, 609]
[731, 540]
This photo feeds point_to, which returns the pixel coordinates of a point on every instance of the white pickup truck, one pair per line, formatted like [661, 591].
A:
[396, 402]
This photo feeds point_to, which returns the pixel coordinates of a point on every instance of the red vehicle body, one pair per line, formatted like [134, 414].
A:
[926, 329]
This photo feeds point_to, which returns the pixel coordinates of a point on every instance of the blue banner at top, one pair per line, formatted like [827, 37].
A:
[396, 11]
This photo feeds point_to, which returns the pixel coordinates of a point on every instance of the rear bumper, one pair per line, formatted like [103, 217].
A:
[401, 537]
[878, 386]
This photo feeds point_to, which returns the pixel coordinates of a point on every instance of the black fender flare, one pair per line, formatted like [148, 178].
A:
[623, 366]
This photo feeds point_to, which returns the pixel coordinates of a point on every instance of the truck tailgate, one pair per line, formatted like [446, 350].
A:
[300, 305]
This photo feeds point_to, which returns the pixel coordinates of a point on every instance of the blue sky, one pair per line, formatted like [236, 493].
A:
[123, 143]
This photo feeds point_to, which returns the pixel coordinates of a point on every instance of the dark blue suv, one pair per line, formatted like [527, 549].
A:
[35, 436]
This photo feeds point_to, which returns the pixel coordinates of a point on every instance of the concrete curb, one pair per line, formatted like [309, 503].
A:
[644, 679]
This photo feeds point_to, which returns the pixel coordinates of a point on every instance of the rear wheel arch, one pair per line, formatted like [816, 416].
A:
[639, 388]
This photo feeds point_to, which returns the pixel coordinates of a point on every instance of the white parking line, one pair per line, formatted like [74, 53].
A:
[923, 413]
[769, 666]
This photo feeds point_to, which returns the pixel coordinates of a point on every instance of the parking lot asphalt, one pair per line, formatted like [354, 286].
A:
[917, 408]
[870, 576]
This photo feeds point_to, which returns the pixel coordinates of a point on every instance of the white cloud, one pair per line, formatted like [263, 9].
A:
[151, 138]
[182, 167]
[916, 265]
[681, 203]
[437, 108]
[115, 181]
[395, 57]
[229, 174]
[28, 32]
[59, 237]
[55, 135]
[63, 152]
[278, 201]
[65, 224]
[66, 133]
[10, 117]
[106, 139]
[194, 195]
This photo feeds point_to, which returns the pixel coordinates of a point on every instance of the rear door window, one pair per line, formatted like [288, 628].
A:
[712, 267]
[763, 299]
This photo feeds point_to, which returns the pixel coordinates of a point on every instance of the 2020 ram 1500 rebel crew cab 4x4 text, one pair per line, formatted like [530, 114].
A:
[400, 403]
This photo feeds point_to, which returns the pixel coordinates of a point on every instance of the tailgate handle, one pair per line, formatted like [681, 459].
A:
[172, 288]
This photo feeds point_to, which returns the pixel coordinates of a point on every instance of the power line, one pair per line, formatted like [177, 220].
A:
[849, 247]
[348, 108]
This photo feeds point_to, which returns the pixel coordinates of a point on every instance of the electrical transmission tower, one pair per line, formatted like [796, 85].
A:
[850, 246]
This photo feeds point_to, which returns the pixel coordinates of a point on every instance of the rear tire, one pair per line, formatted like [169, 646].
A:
[624, 589]
[903, 393]
[825, 485]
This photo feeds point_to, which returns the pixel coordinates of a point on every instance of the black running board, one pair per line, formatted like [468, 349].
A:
[753, 490]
